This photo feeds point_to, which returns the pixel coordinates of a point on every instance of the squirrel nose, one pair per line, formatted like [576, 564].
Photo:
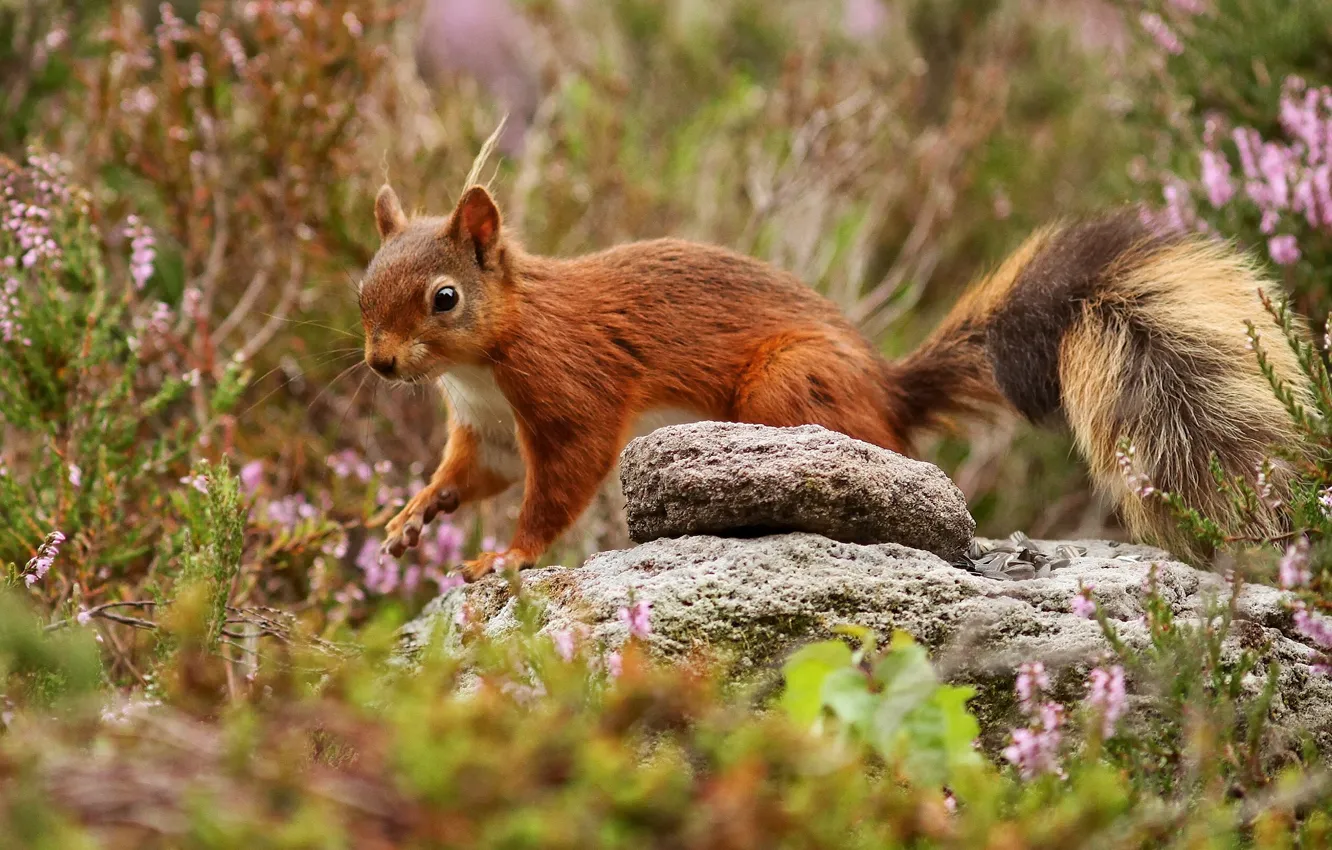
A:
[384, 365]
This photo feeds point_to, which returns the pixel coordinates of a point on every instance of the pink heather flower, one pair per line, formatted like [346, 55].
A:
[84, 617]
[1178, 213]
[1264, 485]
[251, 476]
[446, 546]
[1035, 751]
[369, 554]
[950, 802]
[197, 75]
[384, 467]
[1082, 604]
[198, 482]
[1284, 249]
[335, 547]
[40, 563]
[462, 617]
[1315, 628]
[353, 24]
[290, 510]
[190, 300]
[75, 475]
[1247, 141]
[1293, 569]
[1325, 501]
[411, 578]
[1190, 7]
[615, 664]
[235, 51]
[1216, 178]
[564, 643]
[1138, 482]
[444, 582]
[1107, 697]
[142, 252]
[1161, 33]
[637, 618]
[347, 463]
[1032, 681]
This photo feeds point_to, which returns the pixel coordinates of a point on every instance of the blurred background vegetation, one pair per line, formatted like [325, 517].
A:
[195, 465]
[885, 151]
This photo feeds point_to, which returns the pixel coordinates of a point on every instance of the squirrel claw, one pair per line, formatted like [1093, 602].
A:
[488, 562]
[404, 530]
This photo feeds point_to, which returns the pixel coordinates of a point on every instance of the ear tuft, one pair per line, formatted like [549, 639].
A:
[477, 220]
[389, 217]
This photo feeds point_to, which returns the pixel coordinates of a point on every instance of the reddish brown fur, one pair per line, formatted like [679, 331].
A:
[581, 348]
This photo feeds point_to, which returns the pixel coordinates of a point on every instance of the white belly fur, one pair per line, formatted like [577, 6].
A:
[475, 400]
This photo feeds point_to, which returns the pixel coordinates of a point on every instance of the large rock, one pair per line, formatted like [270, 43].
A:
[732, 480]
[754, 600]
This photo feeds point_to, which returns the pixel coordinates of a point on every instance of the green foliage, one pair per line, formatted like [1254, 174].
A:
[892, 701]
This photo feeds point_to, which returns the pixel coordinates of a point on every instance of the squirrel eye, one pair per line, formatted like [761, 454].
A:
[446, 298]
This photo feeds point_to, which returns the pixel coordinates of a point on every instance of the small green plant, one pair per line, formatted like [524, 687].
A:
[891, 700]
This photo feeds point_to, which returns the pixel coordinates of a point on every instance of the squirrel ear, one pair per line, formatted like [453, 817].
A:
[477, 219]
[389, 217]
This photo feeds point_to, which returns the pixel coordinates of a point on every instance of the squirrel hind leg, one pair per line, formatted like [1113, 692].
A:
[808, 380]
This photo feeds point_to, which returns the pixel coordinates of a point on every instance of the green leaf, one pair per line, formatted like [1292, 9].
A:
[908, 681]
[804, 674]
[846, 692]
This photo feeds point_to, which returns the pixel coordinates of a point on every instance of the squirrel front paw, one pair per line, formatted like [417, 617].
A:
[489, 562]
[404, 530]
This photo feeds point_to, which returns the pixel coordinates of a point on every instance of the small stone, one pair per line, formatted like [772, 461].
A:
[740, 480]
[1021, 572]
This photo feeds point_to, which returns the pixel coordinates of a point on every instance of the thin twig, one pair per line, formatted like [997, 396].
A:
[290, 290]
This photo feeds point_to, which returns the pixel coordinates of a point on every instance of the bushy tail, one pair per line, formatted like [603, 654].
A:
[1131, 333]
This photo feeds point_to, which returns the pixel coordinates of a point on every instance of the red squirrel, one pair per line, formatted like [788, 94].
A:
[551, 365]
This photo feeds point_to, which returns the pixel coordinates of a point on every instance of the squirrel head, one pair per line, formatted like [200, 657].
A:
[432, 294]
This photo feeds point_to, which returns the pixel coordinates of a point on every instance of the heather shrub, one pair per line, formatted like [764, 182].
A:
[196, 630]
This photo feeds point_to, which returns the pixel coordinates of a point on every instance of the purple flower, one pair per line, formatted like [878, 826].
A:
[1161, 33]
[198, 482]
[1138, 482]
[353, 24]
[1082, 604]
[40, 563]
[1032, 681]
[1325, 501]
[234, 49]
[347, 463]
[1107, 696]
[142, 252]
[1190, 7]
[75, 475]
[615, 664]
[564, 643]
[637, 618]
[1315, 628]
[1284, 249]
[446, 546]
[1035, 750]
[1216, 178]
[1293, 569]
[84, 617]
[251, 476]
